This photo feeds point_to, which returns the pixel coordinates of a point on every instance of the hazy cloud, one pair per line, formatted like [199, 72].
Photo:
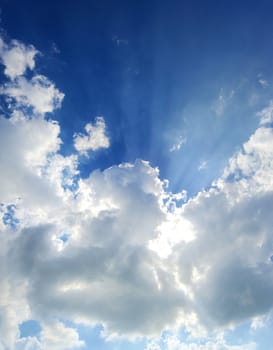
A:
[222, 102]
[178, 144]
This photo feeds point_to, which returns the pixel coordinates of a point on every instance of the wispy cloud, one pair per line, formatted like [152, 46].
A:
[222, 102]
[202, 165]
[264, 83]
[178, 144]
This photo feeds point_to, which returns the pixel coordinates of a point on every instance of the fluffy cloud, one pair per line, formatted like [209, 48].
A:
[55, 336]
[58, 337]
[227, 268]
[105, 272]
[90, 250]
[17, 57]
[94, 138]
[222, 102]
[38, 93]
[28, 343]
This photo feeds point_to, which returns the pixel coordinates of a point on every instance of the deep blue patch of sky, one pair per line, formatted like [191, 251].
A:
[154, 70]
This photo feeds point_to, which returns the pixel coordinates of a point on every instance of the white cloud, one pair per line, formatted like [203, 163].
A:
[38, 93]
[28, 343]
[152, 345]
[266, 115]
[26, 145]
[174, 342]
[94, 138]
[232, 238]
[54, 336]
[107, 243]
[251, 167]
[17, 57]
[58, 337]
[217, 271]
[233, 245]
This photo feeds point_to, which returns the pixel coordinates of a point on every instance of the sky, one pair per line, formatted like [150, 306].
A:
[136, 185]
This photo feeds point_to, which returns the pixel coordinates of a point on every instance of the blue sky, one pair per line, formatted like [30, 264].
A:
[136, 183]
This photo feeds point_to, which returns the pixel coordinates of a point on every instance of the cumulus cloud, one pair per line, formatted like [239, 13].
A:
[266, 115]
[38, 93]
[227, 266]
[83, 249]
[94, 137]
[58, 337]
[106, 272]
[28, 343]
[16, 57]
[55, 336]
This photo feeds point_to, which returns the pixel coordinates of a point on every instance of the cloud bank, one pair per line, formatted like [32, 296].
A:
[90, 250]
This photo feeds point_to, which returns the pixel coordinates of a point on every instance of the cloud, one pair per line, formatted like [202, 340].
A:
[38, 93]
[266, 115]
[264, 83]
[58, 337]
[27, 145]
[173, 342]
[28, 343]
[94, 138]
[16, 57]
[217, 271]
[179, 143]
[227, 266]
[55, 336]
[202, 165]
[222, 102]
[105, 273]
